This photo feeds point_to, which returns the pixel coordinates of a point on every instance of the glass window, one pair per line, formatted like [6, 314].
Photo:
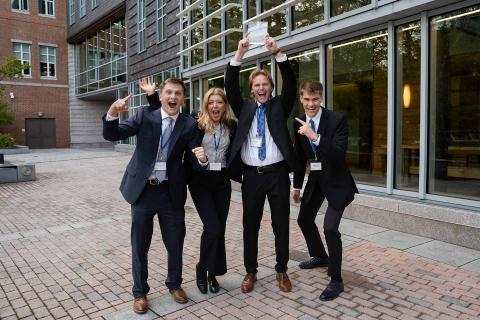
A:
[48, 61]
[357, 88]
[277, 24]
[104, 45]
[216, 81]
[252, 8]
[46, 7]
[407, 106]
[196, 36]
[307, 12]
[119, 40]
[20, 5]
[233, 20]
[197, 98]
[214, 48]
[21, 52]
[71, 11]
[306, 66]
[141, 25]
[342, 6]
[83, 8]
[454, 130]
[244, 82]
[93, 4]
[161, 20]
[186, 101]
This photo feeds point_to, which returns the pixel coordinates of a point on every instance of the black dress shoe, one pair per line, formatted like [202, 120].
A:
[333, 290]
[314, 262]
[201, 279]
[213, 284]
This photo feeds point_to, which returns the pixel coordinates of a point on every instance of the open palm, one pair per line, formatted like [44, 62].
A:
[147, 86]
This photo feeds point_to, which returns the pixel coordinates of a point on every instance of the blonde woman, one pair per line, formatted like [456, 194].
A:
[211, 189]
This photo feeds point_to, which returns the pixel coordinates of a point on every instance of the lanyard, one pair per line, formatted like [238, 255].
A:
[216, 143]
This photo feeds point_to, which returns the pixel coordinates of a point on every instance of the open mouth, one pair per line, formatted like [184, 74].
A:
[215, 113]
[172, 105]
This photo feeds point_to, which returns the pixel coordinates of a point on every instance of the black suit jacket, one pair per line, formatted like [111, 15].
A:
[335, 180]
[146, 125]
[277, 110]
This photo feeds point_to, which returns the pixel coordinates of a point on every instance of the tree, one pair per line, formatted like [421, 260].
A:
[9, 69]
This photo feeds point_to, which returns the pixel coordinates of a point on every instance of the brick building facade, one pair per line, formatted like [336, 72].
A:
[36, 32]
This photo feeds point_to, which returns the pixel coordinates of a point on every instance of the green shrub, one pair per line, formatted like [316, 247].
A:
[6, 140]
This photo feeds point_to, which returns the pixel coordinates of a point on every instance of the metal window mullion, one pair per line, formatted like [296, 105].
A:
[322, 67]
[223, 27]
[205, 34]
[424, 84]
[326, 9]
[289, 19]
[390, 106]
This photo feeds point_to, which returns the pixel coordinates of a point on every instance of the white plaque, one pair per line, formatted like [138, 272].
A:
[257, 31]
[215, 166]
[315, 166]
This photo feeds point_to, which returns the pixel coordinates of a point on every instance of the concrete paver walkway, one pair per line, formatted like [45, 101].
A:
[65, 254]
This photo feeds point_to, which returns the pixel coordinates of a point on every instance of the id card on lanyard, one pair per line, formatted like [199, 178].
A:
[216, 166]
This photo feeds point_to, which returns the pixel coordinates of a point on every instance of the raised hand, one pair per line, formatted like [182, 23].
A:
[119, 106]
[296, 196]
[243, 46]
[306, 130]
[200, 154]
[147, 86]
[271, 44]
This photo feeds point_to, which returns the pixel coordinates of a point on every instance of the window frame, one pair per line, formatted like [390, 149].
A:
[49, 47]
[21, 8]
[161, 20]
[141, 25]
[46, 14]
[82, 8]
[22, 44]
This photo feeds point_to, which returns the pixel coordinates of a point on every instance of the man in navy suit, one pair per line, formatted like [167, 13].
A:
[155, 181]
[321, 143]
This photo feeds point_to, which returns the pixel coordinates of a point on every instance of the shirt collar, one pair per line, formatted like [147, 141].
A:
[165, 115]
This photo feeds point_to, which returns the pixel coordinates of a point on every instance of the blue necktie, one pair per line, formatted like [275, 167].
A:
[262, 151]
[314, 147]
[167, 128]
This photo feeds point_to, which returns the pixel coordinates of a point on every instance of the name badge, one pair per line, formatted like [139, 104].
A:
[215, 166]
[160, 166]
[257, 142]
[315, 166]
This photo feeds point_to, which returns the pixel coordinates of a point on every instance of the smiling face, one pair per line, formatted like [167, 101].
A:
[261, 88]
[311, 102]
[172, 97]
[216, 108]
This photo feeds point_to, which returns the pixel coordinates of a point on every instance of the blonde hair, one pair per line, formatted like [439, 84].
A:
[204, 122]
[260, 72]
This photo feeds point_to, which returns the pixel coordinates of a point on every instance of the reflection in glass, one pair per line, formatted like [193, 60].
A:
[277, 23]
[244, 74]
[307, 12]
[357, 88]
[186, 102]
[196, 95]
[252, 8]
[342, 6]
[216, 81]
[233, 19]
[454, 145]
[214, 48]
[305, 65]
[407, 107]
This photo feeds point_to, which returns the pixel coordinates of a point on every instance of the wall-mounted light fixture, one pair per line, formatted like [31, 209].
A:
[407, 96]
[12, 96]
[40, 114]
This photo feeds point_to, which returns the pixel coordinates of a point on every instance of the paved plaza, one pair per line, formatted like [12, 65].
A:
[65, 254]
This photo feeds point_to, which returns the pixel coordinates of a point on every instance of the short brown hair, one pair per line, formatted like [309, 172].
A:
[173, 81]
[311, 87]
[258, 72]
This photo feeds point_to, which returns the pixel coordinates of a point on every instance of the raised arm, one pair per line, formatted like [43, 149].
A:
[152, 96]
[112, 129]
[232, 82]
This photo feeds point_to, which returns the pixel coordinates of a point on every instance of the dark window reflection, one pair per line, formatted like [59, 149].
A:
[342, 6]
[454, 148]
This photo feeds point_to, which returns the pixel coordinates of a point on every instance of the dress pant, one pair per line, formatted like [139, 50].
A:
[276, 187]
[156, 200]
[211, 192]
[306, 221]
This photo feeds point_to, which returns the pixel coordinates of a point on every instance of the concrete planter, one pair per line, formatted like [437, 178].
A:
[16, 149]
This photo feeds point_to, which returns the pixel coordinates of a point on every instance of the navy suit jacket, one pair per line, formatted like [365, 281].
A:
[335, 180]
[146, 125]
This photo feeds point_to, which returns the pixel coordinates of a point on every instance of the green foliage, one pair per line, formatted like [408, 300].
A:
[9, 68]
[6, 140]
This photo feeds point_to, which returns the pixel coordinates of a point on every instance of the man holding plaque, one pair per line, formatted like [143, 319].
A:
[263, 142]
[321, 138]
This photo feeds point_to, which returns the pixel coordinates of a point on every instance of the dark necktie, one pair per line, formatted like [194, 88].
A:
[167, 128]
[314, 147]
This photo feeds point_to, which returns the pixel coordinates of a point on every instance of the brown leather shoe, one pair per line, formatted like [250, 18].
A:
[140, 304]
[283, 282]
[179, 295]
[248, 282]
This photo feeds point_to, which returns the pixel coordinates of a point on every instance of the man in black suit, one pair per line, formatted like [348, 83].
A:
[321, 143]
[155, 181]
[267, 153]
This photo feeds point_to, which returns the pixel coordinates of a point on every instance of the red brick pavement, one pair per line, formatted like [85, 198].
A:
[65, 254]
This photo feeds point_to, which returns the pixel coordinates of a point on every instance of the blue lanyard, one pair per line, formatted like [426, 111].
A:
[216, 143]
